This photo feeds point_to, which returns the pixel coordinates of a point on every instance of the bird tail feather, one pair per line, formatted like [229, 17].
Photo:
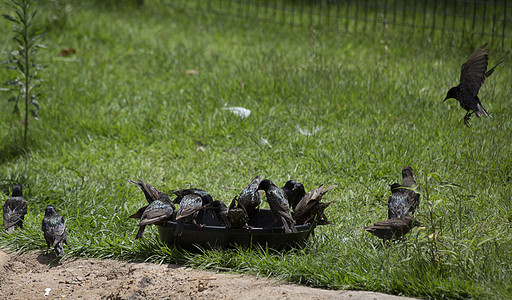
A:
[481, 111]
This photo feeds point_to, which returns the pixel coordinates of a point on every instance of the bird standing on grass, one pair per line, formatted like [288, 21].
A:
[472, 76]
[54, 230]
[294, 192]
[279, 206]
[408, 181]
[15, 209]
[190, 205]
[309, 209]
[159, 209]
[250, 197]
[392, 229]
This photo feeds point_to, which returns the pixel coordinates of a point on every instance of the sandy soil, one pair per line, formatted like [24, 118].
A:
[34, 276]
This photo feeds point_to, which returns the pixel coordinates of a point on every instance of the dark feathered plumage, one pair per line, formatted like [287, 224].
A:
[294, 192]
[250, 197]
[472, 76]
[237, 215]
[221, 211]
[279, 206]
[14, 209]
[205, 197]
[190, 205]
[392, 229]
[150, 192]
[309, 208]
[156, 212]
[408, 181]
[398, 207]
[54, 230]
[159, 209]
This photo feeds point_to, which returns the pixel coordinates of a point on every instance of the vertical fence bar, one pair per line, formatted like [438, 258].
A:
[356, 17]
[394, 14]
[346, 16]
[338, 5]
[434, 18]
[375, 17]
[474, 19]
[484, 17]
[464, 19]
[404, 10]
[504, 23]
[424, 15]
[445, 12]
[493, 28]
[365, 15]
[414, 18]
[454, 21]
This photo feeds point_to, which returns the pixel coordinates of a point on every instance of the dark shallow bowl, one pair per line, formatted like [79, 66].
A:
[213, 234]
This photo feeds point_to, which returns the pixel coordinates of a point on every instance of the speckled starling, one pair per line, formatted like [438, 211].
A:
[15, 209]
[157, 212]
[294, 192]
[392, 229]
[279, 206]
[221, 212]
[205, 197]
[237, 215]
[398, 207]
[408, 181]
[250, 196]
[472, 76]
[54, 230]
[159, 209]
[190, 205]
[309, 209]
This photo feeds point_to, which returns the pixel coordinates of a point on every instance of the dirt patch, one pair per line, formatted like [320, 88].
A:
[36, 276]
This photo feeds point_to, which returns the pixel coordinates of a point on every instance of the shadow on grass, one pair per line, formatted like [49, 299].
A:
[12, 148]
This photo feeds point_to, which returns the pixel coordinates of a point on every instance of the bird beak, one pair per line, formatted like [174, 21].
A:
[446, 99]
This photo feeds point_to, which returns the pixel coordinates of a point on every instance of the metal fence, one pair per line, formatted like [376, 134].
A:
[491, 20]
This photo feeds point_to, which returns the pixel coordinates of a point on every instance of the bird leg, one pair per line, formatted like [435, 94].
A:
[198, 225]
[467, 117]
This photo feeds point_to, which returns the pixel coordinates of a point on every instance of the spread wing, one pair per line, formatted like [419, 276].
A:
[472, 73]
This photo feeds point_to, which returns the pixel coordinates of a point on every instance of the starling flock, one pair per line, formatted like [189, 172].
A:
[402, 203]
[243, 207]
[472, 76]
[290, 205]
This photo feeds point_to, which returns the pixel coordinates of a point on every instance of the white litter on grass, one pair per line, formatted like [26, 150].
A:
[239, 111]
[307, 132]
[264, 142]
[47, 291]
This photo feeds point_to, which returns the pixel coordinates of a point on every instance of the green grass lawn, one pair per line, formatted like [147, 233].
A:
[123, 107]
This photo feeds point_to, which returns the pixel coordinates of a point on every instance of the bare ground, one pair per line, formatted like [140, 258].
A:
[30, 275]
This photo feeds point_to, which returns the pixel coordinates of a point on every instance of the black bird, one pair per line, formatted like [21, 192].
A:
[237, 215]
[250, 197]
[15, 209]
[159, 209]
[276, 198]
[398, 207]
[392, 229]
[221, 212]
[54, 230]
[408, 181]
[310, 209]
[190, 205]
[205, 197]
[472, 76]
[157, 212]
[294, 192]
